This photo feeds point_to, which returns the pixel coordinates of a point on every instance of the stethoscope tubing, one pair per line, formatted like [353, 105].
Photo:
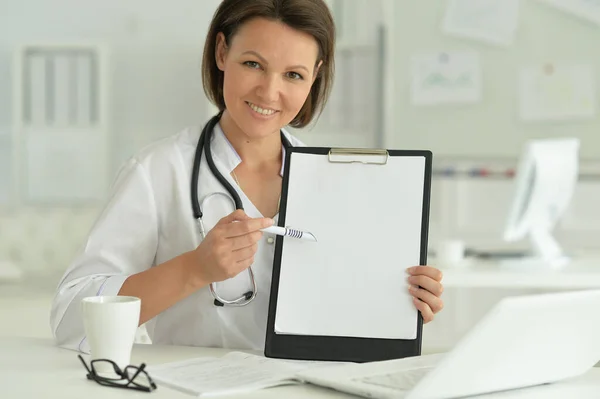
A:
[204, 146]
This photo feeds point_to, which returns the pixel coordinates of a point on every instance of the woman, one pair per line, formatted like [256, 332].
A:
[267, 64]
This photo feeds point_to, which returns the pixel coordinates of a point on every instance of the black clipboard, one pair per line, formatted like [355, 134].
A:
[344, 348]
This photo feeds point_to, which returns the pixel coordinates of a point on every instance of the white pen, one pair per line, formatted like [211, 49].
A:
[287, 232]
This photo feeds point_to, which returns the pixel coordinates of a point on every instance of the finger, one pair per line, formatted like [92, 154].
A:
[428, 271]
[247, 226]
[236, 215]
[425, 282]
[245, 253]
[246, 240]
[435, 303]
[422, 307]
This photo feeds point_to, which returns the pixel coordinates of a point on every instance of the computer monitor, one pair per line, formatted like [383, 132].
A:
[543, 187]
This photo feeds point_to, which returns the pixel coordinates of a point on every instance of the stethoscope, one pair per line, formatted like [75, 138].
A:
[204, 144]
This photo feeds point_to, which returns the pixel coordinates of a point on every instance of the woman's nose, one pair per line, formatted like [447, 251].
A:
[269, 88]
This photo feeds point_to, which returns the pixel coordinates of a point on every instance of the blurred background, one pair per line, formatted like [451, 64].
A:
[85, 85]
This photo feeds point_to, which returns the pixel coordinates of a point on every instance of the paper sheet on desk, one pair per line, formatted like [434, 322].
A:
[233, 373]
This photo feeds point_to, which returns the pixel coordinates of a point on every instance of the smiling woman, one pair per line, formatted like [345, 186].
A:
[267, 64]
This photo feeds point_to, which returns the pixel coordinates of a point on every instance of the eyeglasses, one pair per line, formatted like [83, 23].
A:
[131, 377]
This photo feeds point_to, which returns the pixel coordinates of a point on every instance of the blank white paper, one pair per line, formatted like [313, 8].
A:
[585, 9]
[555, 92]
[235, 372]
[490, 21]
[368, 222]
[445, 78]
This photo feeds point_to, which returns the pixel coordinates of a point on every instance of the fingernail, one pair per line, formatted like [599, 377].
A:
[411, 269]
[411, 288]
[270, 222]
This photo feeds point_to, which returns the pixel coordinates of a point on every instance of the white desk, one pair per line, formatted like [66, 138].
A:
[475, 273]
[34, 368]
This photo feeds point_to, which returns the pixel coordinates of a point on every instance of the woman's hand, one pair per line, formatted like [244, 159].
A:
[228, 248]
[426, 289]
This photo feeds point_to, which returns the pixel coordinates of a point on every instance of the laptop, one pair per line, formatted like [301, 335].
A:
[523, 341]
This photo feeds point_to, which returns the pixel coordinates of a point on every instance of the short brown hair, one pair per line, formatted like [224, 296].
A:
[308, 16]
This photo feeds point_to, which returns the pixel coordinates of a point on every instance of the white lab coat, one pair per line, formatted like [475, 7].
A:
[148, 220]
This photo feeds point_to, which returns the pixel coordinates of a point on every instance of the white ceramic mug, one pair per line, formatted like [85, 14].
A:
[110, 325]
[450, 252]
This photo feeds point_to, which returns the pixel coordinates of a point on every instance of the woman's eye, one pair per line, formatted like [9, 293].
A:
[252, 64]
[295, 76]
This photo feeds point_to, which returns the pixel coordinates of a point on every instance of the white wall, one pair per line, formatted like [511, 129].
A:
[156, 47]
[154, 90]
[492, 127]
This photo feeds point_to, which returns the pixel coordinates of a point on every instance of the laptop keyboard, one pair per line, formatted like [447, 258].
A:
[403, 380]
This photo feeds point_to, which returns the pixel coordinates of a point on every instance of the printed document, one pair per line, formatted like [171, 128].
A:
[557, 92]
[233, 373]
[490, 21]
[444, 78]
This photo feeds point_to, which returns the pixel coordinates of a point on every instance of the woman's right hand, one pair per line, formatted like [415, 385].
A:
[229, 247]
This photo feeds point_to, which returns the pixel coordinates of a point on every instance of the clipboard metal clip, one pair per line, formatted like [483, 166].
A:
[348, 155]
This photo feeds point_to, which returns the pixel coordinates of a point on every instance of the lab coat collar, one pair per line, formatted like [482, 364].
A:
[222, 147]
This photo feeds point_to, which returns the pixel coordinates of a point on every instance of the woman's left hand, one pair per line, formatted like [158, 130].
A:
[426, 288]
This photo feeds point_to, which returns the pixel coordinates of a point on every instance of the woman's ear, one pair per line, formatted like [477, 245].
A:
[316, 73]
[220, 51]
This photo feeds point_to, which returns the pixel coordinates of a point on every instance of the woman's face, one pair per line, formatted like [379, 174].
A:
[268, 70]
